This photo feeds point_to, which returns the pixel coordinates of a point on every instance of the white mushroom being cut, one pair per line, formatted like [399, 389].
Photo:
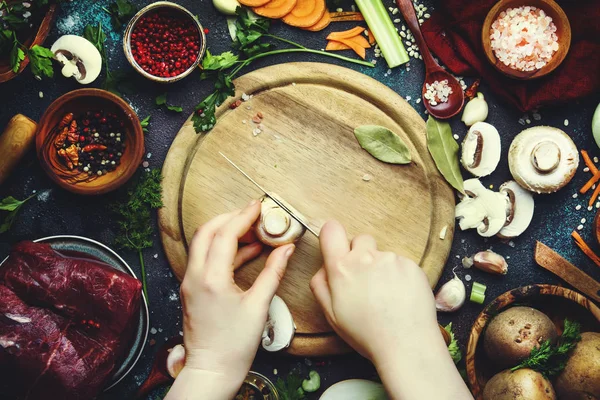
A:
[481, 149]
[280, 328]
[355, 389]
[275, 226]
[482, 209]
[520, 211]
[79, 57]
[543, 159]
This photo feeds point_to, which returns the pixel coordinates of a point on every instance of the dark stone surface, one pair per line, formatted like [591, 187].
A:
[66, 213]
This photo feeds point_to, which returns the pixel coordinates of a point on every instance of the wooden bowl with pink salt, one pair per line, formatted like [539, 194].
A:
[526, 39]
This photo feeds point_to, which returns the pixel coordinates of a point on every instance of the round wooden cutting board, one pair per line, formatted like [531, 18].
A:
[308, 154]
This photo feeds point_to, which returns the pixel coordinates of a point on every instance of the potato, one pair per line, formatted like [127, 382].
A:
[512, 334]
[523, 384]
[580, 380]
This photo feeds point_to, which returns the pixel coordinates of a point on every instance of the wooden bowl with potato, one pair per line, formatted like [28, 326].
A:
[557, 304]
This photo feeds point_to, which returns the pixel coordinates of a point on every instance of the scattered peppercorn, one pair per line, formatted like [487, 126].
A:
[165, 43]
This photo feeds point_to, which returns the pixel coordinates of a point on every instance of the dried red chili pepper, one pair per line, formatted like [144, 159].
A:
[65, 121]
[471, 91]
[73, 135]
[94, 147]
[61, 137]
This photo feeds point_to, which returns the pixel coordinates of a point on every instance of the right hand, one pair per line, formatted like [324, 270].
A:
[376, 301]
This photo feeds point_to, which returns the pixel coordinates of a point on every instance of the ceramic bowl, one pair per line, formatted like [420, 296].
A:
[556, 302]
[563, 31]
[36, 36]
[153, 7]
[78, 102]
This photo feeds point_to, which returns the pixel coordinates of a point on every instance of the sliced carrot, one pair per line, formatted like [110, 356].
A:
[254, 3]
[361, 51]
[276, 9]
[306, 13]
[594, 196]
[346, 34]
[588, 162]
[371, 39]
[585, 248]
[322, 24]
[332, 45]
[346, 16]
[590, 183]
[361, 41]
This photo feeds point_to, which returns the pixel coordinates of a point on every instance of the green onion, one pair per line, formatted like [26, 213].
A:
[313, 383]
[383, 29]
[478, 293]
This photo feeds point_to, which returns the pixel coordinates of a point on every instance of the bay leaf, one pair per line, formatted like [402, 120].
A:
[444, 151]
[383, 144]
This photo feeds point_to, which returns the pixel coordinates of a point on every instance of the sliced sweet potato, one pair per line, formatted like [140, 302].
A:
[276, 9]
[332, 45]
[254, 3]
[322, 24]
[361, 51]
[346, 34]
[306, 13]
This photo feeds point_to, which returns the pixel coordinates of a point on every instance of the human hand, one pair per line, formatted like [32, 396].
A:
[223, 325]
[376, 301]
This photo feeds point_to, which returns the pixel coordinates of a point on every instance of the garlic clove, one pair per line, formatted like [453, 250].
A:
[476, 110]
[451, 295]
[491, 262]
[176, 360]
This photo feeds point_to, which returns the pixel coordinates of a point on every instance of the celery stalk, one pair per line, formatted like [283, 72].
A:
[478, 293]
[381, 26]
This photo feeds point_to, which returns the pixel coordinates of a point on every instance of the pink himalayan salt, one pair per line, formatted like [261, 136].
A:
[524, 38]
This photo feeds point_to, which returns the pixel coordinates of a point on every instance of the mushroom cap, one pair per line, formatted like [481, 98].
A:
[81, 59]
[275, 226]
[543, 159]
[280, 328]
[481, 149]
[520, 212]
[481, 208]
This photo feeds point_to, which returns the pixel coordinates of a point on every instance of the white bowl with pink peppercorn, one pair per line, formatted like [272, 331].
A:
[526, 39]
[164, 42]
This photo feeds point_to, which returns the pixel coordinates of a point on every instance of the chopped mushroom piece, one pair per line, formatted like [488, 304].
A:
[79, 57]
[520, 211]
[280, 328]
[543, 159]
[482, 209]
[481, 149]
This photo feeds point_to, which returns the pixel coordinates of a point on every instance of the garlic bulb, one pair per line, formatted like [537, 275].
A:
[476, 110]
[451, 295]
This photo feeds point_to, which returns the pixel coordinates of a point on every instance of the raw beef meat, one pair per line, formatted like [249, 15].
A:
[55, 344]
[83, 289]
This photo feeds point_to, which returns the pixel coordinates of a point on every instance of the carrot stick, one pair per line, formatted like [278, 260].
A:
[332, 45]
[585, 248]
[588, 162]
[346, 34]
[371, 38]
[590, 183]
[359, 50]
[346, 16]
[594, 196]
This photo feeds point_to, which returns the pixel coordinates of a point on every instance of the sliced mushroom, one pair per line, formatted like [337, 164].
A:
[275, 226]
[355, 389]
[481, 149]
[520, 212]
[79, 57]
[543, 159]
[482, 209]
[176, 360]
[280, 328]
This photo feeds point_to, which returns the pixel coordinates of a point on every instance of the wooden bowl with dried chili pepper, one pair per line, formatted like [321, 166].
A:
[90, 141]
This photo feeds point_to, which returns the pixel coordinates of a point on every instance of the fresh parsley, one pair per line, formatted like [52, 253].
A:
[161, 100]
[550, 360]
[12, 206]
[291, 388]
[144, 123]
[120, 12]
[134, 216]
[250, 43]
[453, 347]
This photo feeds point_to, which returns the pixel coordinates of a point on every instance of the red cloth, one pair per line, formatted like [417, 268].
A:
[453, 34]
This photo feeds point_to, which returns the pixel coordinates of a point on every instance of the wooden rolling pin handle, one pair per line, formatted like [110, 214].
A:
[17, 139]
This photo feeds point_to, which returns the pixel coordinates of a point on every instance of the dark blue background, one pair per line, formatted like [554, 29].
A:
[66, 213]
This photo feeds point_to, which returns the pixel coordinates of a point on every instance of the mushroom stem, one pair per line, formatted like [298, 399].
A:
[545, 156]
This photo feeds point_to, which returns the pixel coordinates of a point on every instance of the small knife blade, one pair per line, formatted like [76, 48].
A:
[271, 196]
[555, 263]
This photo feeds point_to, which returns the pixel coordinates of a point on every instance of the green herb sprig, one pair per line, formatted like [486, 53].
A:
[453, 347]
[161, 100]
[291, 388]
[134, 216]
[145, 123]
[550, 360]
[13, 206]
[12, 20]
[221, 69]
[120, 12]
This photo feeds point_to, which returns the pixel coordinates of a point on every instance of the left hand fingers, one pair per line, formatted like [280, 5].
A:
[247, 253]
[268, 280]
